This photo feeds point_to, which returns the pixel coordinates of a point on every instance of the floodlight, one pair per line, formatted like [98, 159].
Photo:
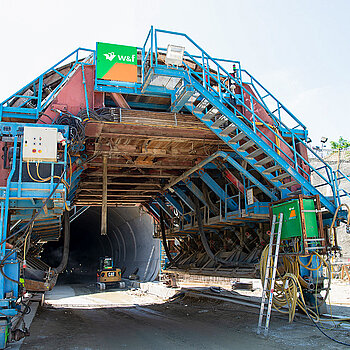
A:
[324, 139]
[174, 55]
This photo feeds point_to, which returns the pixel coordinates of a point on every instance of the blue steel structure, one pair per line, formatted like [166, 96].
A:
[229, 103]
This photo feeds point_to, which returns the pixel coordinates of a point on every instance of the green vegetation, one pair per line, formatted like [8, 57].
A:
[340, 144]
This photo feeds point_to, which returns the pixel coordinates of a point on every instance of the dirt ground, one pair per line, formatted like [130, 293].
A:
[188, 323]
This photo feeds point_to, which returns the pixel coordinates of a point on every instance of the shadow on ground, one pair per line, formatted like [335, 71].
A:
[186, 323]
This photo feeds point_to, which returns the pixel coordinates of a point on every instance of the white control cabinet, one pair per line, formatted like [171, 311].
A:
[39, 144]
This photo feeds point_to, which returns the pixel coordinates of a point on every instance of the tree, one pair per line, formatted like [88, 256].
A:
[341, 144]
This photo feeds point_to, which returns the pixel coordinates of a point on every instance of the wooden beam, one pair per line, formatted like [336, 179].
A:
[104, 198]
[144, 165]
[164, 137]
[114, 196]
[151, 184]
[119, 100]
[136, 190]
[98, 174]
[155, 176]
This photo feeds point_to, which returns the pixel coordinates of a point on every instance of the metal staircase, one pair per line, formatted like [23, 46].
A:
[236, 111]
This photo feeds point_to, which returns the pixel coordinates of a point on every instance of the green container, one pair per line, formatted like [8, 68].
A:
[292, 218]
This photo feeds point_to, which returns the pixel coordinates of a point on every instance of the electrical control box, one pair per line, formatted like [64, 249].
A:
[294, 218]
[39, 144]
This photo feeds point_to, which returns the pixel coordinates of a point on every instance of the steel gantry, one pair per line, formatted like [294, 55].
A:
[197, 141]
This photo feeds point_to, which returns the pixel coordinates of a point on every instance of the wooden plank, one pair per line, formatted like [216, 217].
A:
[151, 184]
[157, 165]
[320, 224]
[153, 175]
[114, 196]
[136, 190]
[104, 198]
[303, 226]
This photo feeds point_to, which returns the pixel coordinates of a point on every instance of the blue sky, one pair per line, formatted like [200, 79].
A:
[298, 49]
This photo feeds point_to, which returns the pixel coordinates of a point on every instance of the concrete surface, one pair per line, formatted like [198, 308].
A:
[88, 296]
[155, 288]
[153, 323]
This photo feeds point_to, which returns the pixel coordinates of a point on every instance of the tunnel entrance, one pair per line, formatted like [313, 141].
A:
[129, 242]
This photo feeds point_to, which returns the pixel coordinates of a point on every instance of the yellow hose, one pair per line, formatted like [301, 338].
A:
[287, 286]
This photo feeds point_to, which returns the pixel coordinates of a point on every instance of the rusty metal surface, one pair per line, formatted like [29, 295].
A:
[145, 150]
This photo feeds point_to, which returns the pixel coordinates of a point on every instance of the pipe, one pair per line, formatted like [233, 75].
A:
[64, 261]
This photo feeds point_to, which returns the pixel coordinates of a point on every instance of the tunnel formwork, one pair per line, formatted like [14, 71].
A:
[173, 145]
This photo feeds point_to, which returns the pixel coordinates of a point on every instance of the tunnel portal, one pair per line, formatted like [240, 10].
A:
[129, 242]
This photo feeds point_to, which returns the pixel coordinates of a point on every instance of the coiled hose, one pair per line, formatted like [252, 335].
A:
[287, 285]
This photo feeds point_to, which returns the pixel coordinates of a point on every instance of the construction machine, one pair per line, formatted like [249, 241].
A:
[107, 274]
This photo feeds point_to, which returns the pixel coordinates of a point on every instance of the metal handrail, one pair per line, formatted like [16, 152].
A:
[208, 57]
[216, 63]
[39, 81]
[205, 70]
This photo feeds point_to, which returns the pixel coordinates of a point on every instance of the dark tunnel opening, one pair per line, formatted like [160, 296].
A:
[129, 241]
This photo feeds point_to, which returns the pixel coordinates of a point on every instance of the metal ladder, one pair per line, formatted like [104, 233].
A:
[270, 264]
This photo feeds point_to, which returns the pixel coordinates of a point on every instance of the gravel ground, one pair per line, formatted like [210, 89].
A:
[189, 323]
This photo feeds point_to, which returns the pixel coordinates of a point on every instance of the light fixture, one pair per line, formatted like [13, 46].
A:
[324, 139]
[174, 55]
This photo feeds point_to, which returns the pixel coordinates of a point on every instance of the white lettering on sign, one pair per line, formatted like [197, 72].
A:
[126, 58]
[250, 196]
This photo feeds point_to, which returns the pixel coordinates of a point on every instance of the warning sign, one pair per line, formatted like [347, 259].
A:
[292, 214]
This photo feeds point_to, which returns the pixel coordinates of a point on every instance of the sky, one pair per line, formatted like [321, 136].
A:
[299, 50]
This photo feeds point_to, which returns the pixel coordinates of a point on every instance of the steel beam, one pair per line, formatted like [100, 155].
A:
[183, 196]
[217, 189]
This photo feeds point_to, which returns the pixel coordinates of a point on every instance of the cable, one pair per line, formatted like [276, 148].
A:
[318, 327]
[2, 264]
[30, 229]
[41, 180]
[285, 291]
[64, 261]
[76, 128]
[38, 212]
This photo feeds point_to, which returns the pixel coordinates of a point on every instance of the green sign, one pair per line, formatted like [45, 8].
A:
[116, 62]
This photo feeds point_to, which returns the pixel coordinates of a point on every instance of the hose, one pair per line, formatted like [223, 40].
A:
[37, 213]
[64, 261]
[286, 286]
[317, 326]
[164, 240]
[335, 217]
[3, 263]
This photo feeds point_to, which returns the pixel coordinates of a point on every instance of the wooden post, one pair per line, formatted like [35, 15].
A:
[303, 226]
[104, 198]
[320, 224]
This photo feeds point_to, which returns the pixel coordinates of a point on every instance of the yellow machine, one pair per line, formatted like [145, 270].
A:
[108, 275]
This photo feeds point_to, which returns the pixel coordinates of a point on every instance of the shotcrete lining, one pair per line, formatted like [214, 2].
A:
[130, 237]
[128, 241]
